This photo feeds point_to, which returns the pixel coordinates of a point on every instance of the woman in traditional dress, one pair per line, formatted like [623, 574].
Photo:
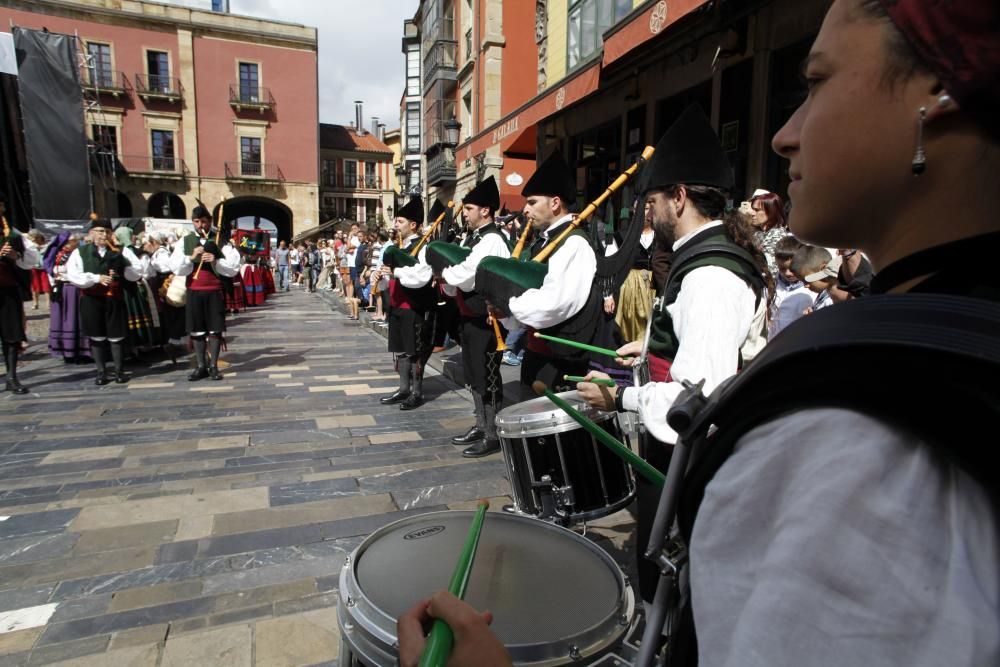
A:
[65, 336]
[143, 318]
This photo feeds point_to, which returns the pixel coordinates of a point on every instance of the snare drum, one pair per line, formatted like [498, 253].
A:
[557, 469]
[556, 598]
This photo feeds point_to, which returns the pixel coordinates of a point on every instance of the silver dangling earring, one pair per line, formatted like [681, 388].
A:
[919, 164]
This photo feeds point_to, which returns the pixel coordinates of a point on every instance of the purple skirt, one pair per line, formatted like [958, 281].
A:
[66, 338]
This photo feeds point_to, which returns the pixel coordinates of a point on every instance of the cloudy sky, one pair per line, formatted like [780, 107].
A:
[359, 51]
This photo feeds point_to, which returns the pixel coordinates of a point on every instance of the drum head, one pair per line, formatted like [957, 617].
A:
[543, 583]
[540, 416]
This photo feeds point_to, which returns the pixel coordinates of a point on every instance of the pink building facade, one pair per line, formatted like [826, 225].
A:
[186, 105]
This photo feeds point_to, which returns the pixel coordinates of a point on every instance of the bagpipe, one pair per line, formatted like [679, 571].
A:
[209, 246]
[395, 256]
[500, 279]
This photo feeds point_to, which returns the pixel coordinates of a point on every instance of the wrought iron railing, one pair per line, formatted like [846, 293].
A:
[156, 85]
[254, 170]
[349, 182]
[166, 165]
[241, 96]
[105, 81]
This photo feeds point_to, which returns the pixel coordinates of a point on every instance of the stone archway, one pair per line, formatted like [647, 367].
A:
[124, 204]
[259, 210]
[166, 205]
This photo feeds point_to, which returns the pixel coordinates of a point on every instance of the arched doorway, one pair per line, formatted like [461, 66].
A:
[258, 212]
[124, 205]
[166, 205]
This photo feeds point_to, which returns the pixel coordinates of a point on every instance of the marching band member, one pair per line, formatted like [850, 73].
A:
[204, 264]
[98, 270]
[16, 258]
[480, 359]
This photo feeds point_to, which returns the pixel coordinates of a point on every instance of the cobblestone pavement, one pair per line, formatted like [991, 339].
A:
[165, 522]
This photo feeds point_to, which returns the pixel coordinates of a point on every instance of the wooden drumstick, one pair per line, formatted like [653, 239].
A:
[441, 639]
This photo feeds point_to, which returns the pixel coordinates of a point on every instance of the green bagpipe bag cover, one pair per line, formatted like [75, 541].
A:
[395, 257]
[441, 254]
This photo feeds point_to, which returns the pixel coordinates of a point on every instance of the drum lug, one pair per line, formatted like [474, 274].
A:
[574, 652]
[350, 602]
[556, 500]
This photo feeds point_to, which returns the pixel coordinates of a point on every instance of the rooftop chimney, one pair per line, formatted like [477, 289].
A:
[358, 117]
[381, 132]
[375, 125]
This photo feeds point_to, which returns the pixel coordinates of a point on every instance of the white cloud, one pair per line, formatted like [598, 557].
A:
[360, 53]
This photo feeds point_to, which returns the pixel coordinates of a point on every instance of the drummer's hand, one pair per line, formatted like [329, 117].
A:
[474, 644]
[602, 398]
[628, 354]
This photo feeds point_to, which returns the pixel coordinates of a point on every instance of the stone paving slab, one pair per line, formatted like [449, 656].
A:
[165, 522]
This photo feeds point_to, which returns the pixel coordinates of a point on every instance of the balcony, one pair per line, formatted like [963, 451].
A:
[348, 182]
[105, 82]
[441, 168]
[156, 87]
[254, 99]
[441, 62]
[154, 166]
[257, 172]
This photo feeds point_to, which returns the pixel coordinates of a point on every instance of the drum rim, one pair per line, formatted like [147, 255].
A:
[375, 624]
[555, 421]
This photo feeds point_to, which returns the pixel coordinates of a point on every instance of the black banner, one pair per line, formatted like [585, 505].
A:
[54, 135]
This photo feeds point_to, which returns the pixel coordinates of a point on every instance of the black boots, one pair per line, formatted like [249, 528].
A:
[201, 372]
[491, 443]
[118, 358]
[10, 351]
[416, 397]
[214, 345]
[477, 432]
[403, 365]
[99, 351]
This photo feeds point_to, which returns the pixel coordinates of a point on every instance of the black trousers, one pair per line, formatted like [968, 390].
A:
[647, 497]
[206, 311]
[480, 359]
[103, 317]
[410, 332]
[11, 315]
[550, 371]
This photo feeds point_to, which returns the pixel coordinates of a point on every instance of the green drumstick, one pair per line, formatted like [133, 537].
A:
[440, 640]
[580, 346]
[604, 382]
[621, 451]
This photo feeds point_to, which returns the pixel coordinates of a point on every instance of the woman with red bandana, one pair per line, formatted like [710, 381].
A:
[831, 536]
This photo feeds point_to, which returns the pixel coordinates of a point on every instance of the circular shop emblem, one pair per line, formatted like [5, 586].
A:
[514, 179]
[560, 98]
[658, 17]
[421, 533]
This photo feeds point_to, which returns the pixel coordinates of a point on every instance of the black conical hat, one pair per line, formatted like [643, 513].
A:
[553, 178]
[437, 208]
[688, 153]
[412, 210]
[485, 194]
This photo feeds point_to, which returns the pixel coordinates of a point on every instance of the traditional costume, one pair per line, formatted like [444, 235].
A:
[66, 340]
[480, 358]
[143, 317]
[206, 307]
[14, 282]
[103, 314]
[566, 289]
[411, 317]
[712, 306]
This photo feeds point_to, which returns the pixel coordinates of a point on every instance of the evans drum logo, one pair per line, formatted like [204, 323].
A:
[423, 532]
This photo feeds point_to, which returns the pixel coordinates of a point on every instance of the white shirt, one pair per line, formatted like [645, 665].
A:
[30, 257]
[463, 276]
[82, 279]
[566, 287]
[830, 538]
[159, 262]
[227, 265]
[419, 274]
[712, 319]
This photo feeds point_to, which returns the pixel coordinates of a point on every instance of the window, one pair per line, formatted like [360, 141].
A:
[350, 175]
[163, 150]
[413, 127]
[622, 9]
[330, 173]
[249, 82]
[250, 156]
[370, 208]
[413, 69]
[370, 180]
[106, 137]
[588, 21]
[99, 64]
[158, 67]
[414, 178]
[352, 209]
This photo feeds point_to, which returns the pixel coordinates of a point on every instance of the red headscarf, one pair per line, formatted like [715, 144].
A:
[959, 41]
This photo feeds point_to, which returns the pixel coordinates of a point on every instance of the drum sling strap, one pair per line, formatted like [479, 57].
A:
[926, 363]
